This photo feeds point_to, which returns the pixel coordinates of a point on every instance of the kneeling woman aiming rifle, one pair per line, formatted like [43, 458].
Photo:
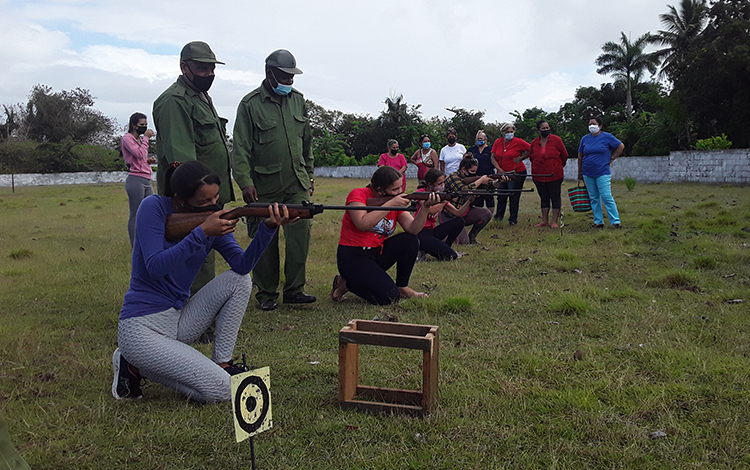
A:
[159, 318]
[367, 249]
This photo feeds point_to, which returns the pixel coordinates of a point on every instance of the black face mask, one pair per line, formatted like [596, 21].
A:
[394, 151]
[544, 133]
[211, 208]
[140, 129]
[451, 140]
[202, 84]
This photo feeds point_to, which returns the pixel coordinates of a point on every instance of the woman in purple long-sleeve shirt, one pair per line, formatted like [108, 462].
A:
[159, 319]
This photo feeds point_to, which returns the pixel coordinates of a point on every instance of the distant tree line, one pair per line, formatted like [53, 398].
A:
[696, 96]
[57, 132]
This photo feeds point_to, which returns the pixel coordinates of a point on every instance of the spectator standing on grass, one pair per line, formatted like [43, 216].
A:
[394, 159]
[159, 317]
[189, 128]
[596, 152]
[134, 149]
[508, 152]
[425, 157]
[451, 154]
[368, 248]
[273, 162]
[548, 155]
[483, 153]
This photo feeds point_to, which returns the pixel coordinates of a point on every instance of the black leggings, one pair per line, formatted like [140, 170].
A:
[515, 197]
[365, 268]
[431, 240]
[549, 192]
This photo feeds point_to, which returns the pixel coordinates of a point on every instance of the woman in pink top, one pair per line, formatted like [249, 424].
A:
[394, 159]
[134, 148]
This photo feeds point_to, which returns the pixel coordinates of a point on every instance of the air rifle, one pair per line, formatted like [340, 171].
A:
[180, 224]
[443, 196]
[513, 174]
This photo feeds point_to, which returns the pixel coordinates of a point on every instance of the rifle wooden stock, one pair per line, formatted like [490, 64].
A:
[180, 224]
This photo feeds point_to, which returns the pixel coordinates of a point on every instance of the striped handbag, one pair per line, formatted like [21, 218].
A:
[579, 198]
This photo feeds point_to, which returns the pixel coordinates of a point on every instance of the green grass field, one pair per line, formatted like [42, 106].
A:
[653, 311]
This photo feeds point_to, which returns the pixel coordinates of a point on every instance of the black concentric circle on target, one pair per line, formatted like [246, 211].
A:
[240, 404]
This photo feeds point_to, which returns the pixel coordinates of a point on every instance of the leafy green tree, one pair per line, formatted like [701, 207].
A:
[711, 78]
[328, 149]
[14, 124]
[400, 121]
[54, 117]
[467, 123]
[626, 61]
[682, 28]
[526, 122]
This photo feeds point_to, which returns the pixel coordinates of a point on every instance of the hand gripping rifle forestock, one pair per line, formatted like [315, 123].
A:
[180, 224]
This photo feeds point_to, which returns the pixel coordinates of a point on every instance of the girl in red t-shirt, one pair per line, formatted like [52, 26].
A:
[436, 239]
[367, 249]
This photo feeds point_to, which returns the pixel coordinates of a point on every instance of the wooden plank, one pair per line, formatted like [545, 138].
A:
[408, 329]
[430, 374]
[384, 339]
[391, 395]
[384, 408]
[348, 370]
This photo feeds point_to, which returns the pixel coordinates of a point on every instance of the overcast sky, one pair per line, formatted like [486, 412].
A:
[495, 56]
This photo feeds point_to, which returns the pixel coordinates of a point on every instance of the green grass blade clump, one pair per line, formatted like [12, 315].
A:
[558, 349]
[570, 305]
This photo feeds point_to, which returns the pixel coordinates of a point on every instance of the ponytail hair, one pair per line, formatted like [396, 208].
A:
[384, 177]
[468, 161]
[184, 179]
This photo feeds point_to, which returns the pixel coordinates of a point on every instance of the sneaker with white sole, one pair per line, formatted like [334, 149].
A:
[127, 383]
[234, 368]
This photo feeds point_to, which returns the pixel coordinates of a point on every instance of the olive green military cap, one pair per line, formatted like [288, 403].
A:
[198, 51]
[283, 60]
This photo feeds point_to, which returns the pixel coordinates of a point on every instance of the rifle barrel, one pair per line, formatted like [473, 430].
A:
[180, 224]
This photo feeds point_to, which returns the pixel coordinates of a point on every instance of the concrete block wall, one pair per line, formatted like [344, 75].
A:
[694, 166]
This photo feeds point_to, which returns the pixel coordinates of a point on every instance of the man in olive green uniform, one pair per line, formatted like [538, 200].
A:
[189, 128]
[272, 162]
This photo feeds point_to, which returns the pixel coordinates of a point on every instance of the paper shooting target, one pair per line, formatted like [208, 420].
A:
[251, 403]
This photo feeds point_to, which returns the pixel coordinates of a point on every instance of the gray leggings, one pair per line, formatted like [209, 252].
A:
[157, 344]
[138, 188]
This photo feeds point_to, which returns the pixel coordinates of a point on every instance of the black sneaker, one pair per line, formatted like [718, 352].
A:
[127, 383]
[299, 298]
[234, 368]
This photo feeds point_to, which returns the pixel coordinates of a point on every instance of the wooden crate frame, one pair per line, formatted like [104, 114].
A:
[395, 335]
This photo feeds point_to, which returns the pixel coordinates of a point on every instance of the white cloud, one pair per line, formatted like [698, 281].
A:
[492, 56]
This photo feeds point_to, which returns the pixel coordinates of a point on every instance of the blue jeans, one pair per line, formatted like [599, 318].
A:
[600, 192]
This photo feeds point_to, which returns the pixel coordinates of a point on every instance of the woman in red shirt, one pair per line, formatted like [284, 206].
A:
[394, 159]
[548, 155]
[366, 248]
[508, 152]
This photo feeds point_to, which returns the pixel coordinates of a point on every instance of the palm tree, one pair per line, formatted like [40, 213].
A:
[681, 30]
[626, 62]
